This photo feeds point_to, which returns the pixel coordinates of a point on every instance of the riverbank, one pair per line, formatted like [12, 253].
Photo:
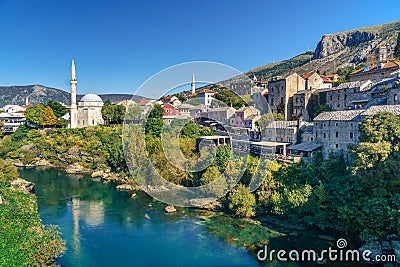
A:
[24, 240]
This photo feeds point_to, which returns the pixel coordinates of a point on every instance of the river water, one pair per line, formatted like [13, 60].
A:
[106, 227]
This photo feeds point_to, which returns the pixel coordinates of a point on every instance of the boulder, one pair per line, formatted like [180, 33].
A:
[127, 187]
[74, 168]
[170, 209]
[99, 173]
[23, 185]
[133, 195]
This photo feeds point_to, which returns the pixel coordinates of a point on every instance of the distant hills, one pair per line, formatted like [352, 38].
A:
[41, 94]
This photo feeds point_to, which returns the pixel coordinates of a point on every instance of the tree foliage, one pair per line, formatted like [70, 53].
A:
[230, 98]
[58, 109]
[113, 114]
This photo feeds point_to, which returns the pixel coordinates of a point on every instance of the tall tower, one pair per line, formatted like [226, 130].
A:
[74, 109]
[193, 85]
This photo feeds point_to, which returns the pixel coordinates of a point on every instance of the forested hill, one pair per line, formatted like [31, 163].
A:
[17, 95]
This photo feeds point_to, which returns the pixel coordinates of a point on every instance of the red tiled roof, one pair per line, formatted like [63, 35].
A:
[206, 91]
[307, 75]
[388, 65]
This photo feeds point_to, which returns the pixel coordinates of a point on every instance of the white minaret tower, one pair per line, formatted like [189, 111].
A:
[193, 85]
[74, 109]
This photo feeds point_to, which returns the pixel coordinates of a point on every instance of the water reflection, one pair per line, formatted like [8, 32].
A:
[105, 227]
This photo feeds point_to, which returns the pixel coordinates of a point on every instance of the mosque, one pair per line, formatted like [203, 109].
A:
[88, 111]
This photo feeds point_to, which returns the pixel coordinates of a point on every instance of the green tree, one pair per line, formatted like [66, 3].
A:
[49, 119]
[217, 188]
[230, 98]
[1, 126]
[241, 202]
[154, 127]
[157, 112]
[35, 113]
[58, 109]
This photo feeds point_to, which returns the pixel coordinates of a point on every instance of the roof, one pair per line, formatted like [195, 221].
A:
[348, 115]
[395, 109]
[206, 91]
[169, 97]
[305, 146]
[91, 98]
[185, 105]
[308, 75]
[269, 144]
[388, 65]
[307, 127]
[342, 115]
[281, 124]
[220, 109]
[168, 105]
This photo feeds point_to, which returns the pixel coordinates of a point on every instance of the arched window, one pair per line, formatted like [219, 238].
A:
[324, 135]
[351, 135]
[337, 134]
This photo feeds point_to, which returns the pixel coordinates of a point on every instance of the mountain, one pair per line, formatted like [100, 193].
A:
[36, 94]
[338, 50]
[41, 94]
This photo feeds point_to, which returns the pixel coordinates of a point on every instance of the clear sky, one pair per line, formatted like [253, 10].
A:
[117, 45]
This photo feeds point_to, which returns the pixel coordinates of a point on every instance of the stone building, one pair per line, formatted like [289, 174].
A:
[350, 95]
[88, 111]
[313, 81]
[281, 92]
[221, 114]
[300, 104]
[338, 131]
[281, 131]
[376, 72]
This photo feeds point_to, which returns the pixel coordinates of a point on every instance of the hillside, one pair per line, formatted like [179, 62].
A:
[41, 94]
[338, 50]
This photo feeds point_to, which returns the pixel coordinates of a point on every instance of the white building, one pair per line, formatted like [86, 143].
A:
[11, 121]
[88, 111]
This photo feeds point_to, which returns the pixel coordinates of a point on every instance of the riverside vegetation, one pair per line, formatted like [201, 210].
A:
[24, 240]
[359, 197]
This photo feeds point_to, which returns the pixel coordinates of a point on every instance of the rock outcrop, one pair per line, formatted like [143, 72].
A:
[333, 43]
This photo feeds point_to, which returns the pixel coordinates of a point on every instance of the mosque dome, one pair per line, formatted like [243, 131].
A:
[91, 98]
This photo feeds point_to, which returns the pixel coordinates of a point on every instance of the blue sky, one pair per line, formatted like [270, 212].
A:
[117, 45]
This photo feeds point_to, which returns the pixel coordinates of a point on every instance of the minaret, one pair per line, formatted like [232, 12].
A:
[74, 110]
[193, 85]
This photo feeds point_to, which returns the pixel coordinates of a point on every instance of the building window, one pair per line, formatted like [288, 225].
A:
[337, 134]
[324, 135]
[297, 100]
[395, 97]
[351, 124]
[324, 124]
[338, 97]
[336, 124]
[351, 135]
[272, 101]
[336, 145]
[331, 98]
[316, 135]
[312, 138]
[282, 100]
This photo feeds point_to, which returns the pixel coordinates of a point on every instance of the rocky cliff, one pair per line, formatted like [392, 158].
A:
[338, 50]
[358, 44]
